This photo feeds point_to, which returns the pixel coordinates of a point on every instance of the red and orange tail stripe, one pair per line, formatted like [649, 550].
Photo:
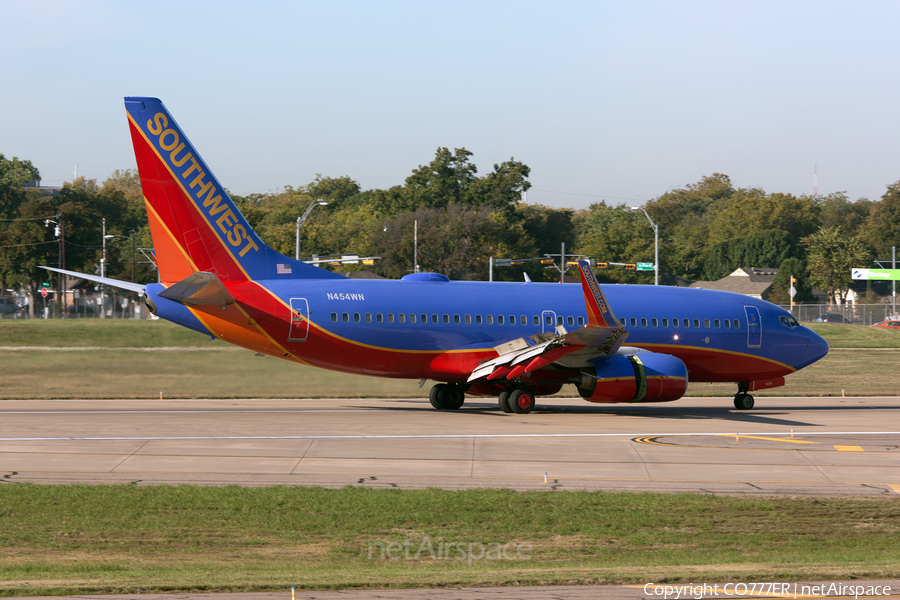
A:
[599, 313]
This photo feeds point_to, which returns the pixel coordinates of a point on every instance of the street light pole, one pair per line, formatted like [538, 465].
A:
[302, 218]
[132, 255]
[655, 243]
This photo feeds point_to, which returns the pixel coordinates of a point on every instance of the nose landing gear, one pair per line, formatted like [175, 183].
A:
[743, 400]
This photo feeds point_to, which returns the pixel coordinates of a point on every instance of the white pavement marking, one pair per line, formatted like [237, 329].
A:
[421, 436]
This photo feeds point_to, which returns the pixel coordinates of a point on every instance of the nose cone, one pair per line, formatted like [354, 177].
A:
[816, 347]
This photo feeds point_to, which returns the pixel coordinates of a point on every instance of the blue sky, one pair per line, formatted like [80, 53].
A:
[618, 101]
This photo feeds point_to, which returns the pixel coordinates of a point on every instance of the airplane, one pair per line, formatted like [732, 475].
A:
[511, 340]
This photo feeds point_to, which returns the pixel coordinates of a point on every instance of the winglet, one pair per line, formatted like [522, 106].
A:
[598, 311]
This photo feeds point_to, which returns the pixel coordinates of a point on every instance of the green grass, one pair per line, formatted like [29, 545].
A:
[109, 333]
[214, 369]
[843, 335]
[130, 539]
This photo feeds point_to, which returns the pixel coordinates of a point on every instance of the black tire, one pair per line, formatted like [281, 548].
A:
[503, 401]
[743, 401]
[433, 395]
[521, 402]
[451, 397]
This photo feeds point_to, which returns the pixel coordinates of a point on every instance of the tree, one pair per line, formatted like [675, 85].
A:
[609, 234]
[882, 228]
[831, 256]
[781, 287]
[836, 210]
[764, 248]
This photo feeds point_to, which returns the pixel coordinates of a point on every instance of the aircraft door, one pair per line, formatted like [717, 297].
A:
[548, 321]
[299, 320]
[754, 327]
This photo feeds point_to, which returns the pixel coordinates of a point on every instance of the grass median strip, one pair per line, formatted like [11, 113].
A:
[129, 539]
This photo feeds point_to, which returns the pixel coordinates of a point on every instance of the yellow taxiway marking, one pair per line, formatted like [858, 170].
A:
[771, 439]
[895, 487]
[848, 448]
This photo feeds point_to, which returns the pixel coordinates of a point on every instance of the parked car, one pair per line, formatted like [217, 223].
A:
[8, 306]
[831, 318]
[892, 322]
[81, 309]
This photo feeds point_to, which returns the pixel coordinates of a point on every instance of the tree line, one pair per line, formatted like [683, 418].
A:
[707, 229]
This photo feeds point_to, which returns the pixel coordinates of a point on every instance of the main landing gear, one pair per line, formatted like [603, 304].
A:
[743, 400]
[447, 396]
[519, 401]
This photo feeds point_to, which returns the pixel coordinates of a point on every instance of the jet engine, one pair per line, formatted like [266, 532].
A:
[643, 377]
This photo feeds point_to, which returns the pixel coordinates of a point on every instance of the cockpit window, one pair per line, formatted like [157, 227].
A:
[789, 322]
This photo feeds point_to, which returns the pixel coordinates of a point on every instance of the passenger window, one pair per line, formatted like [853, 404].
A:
[549, 320]
[665, 323]
[356, 317]
[401, 318]
[456, 319]
[478, 319]
[390, 317]
[434, 318]
[368, 317]
[581, 321]
[687, 323]
[423, 318]
[727, 324]
[379, 318]
[412, 317]
[559, 319]
[537, 320]
[469, 319]
[696, 323]
[512, 319]
[334, 317]
[446, 319]
[570, 321]
[490, 319]
[654, 322]
[706, 323]
[717, 323]
[643, 321]
[345, 317]
[523, 320]
[499, 319]
[737, 324]
[633, 322]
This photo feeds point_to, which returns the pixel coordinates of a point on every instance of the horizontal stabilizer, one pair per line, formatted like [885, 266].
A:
[201, 289]
[124, 285]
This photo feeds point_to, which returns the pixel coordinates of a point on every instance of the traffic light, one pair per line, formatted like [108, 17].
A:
[571, 263]
[547, 261]
[602, 265]
[517, 262]
[368, 262]
[630, 267]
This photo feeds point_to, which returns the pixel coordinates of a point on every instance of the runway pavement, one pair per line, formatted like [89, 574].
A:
[840, 446]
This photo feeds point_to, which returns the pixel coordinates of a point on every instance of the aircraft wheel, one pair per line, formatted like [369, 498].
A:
[433, 395]
[521, 402]
[503, 401]
[743, 401]
[451, 397]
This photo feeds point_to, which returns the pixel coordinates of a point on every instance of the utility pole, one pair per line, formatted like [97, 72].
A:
[655, 243]
[132, 256]
[894, 283]
[62, 262]
[562, 263]
[416, 246]
[103, 274]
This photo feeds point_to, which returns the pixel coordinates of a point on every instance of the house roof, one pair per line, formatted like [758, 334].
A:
[750, 281]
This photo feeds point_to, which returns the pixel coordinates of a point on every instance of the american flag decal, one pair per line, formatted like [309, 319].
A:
[283, 269]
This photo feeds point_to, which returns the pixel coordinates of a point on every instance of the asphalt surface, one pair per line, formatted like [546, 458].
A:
[652, 591]
[840, 446]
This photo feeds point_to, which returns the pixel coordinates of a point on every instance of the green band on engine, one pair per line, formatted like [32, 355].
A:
[640, 377]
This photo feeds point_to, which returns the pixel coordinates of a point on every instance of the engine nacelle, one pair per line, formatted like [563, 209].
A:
[644, 377]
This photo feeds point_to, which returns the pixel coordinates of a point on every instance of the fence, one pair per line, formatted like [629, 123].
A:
[861, 314]
[111, 305]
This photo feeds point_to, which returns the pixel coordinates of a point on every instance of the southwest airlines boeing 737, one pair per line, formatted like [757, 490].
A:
[514, 341]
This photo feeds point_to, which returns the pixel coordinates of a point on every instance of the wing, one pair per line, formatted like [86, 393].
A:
[602, 336]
